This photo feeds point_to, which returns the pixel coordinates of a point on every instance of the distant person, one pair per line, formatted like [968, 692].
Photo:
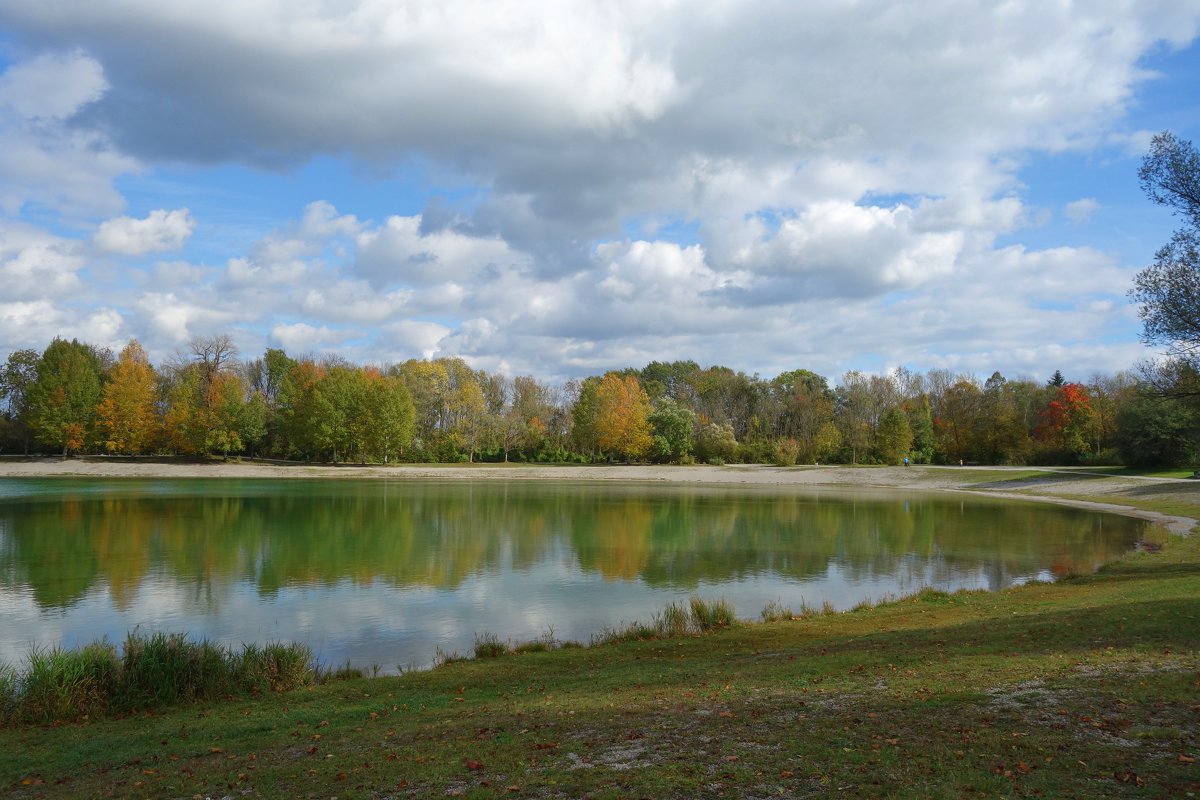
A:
[906, 461]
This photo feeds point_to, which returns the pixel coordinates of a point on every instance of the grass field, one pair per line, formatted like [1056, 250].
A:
[1089, 687]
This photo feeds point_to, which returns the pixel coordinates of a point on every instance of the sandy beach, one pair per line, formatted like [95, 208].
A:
[1068, 487]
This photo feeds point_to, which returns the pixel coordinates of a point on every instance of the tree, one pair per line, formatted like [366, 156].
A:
[1067, 421]
[673, 426]
[1168, 290]
[895, 436]
[16, 378]
[390, 408]
[63, 398]
[127, 415]
[716, 444]
[623, 416]
[1158, 432]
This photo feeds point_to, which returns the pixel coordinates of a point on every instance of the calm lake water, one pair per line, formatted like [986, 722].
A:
[382, 572]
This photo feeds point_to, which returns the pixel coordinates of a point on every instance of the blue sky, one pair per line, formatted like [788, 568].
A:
[560, 188]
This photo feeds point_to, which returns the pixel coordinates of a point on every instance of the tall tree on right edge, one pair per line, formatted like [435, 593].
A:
[1168, 290]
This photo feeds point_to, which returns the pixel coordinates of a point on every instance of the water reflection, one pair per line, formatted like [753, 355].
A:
[358, 567]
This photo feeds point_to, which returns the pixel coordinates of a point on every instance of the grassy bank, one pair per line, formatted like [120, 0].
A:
[1089, 687]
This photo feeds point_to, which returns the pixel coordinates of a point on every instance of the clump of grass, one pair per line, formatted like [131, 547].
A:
[61, 684]
[441, 658]
[488, 645]
[346, 672]
[163, 669]
[711, 614]
[776, 611]
[627, 632]
[673, 621]
[158, 670]
[933, 596]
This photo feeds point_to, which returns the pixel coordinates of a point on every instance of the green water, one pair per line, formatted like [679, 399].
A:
[387, 572]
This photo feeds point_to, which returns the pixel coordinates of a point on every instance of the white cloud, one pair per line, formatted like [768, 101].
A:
[300, 337]
[46, 160]
[842, 174]
[1081, 210]
[158, 232]
[37, 265]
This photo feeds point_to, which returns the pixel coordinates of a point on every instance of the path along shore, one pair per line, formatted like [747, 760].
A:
[1077, 487]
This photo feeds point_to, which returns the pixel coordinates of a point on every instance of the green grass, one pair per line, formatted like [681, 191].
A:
[56, 685]
[1088, 687]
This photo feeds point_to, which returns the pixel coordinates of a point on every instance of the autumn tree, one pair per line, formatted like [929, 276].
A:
[1002, 437]
[1066, 422]
[623, 417]
[127, 415]
[956, 426]
[806, 414]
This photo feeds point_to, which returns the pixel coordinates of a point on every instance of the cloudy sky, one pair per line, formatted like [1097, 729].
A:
[562, 187]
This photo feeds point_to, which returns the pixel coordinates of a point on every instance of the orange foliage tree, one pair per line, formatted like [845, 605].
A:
[127, 416]
[623, 416]
[1067, 421]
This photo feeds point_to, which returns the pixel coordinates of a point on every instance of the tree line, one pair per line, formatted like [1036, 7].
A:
[78, 398]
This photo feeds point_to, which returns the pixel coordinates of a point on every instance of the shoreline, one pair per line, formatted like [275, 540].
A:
[968, 480]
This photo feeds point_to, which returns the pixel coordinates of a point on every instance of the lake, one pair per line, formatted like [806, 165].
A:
[388, 572]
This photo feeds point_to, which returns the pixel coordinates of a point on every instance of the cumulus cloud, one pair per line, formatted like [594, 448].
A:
[37, 265]
[160, 231]
[46, 159]
[766, 184]
[1081, 210]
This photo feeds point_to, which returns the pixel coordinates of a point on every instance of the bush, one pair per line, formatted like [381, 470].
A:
[787, 451]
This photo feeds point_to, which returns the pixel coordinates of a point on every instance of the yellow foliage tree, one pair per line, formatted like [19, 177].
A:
[126, 414]
[623, 416]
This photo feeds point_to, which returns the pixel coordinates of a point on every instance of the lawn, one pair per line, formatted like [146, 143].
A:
[1089, 687]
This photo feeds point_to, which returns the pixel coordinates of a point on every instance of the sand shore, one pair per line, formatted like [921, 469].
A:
[1070, 487]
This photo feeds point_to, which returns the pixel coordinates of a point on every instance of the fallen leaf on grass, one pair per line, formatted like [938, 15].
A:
[1186, 759]
[474, 766]
[545, 745]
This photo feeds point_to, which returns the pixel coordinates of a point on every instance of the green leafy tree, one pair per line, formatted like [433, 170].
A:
[673, 430]
[716, 443]
[390, 409]
[16, 378]
[1158, 432]
[895, 437]
[1168, 290]
[583, 416]
[63, 398]
[920, 421]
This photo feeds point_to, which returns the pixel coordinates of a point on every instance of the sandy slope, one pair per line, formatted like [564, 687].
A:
[1049, 486]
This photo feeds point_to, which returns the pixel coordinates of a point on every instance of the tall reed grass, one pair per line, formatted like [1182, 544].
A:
[698, 616]
[56, 684]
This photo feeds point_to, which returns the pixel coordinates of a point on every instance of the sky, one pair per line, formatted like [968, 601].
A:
[564, 187]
